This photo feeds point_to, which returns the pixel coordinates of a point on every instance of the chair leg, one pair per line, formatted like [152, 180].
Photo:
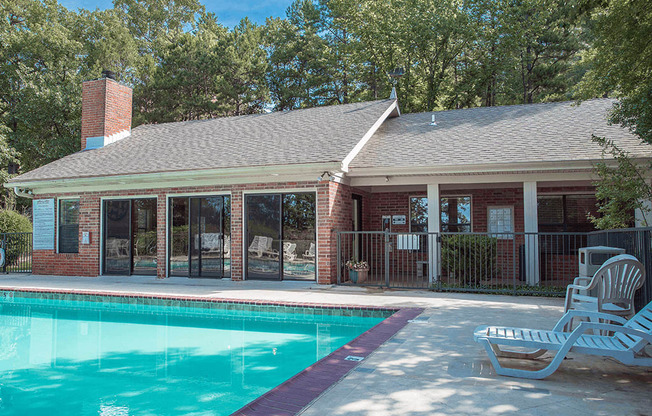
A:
[513, 372]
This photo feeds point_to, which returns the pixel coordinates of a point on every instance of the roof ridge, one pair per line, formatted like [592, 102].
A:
[495, 107]
[242, 116]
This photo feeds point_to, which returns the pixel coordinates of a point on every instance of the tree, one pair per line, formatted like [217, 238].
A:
[621, 190]
[185, 84]
[620, 60]
[297, 57]
[40, 86]
[620, 64]
[244, 66]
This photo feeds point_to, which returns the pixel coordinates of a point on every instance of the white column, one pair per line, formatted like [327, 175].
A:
[531, 226]
[433, 227]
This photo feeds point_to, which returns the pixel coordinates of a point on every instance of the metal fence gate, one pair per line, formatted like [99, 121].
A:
[18, 252]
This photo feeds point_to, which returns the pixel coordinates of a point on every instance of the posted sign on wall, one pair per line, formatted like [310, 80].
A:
[43, 212]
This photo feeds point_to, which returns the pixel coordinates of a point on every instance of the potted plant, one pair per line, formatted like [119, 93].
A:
[358, 270]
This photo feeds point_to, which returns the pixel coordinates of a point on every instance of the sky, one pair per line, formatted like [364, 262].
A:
[229, 12]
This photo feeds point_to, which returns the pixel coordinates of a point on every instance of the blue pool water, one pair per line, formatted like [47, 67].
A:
[79, 357]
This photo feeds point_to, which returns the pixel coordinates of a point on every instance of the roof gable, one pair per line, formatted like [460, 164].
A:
[550, 132]
[315, 135]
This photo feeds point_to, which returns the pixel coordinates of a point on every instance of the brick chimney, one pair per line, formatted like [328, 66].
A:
[106, 111]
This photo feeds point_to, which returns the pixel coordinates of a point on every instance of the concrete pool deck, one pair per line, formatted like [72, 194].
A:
[430, 367]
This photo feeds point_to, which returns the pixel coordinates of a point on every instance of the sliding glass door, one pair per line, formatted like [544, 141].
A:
[263, 236]
[130, 236]
[200, 236]
[280, 236]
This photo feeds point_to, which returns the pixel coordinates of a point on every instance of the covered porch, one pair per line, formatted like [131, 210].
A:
[516, 233]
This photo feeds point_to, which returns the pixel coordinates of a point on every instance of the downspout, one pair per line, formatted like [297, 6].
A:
[25, 193]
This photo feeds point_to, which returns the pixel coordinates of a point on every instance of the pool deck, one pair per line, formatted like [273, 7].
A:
[430, 367]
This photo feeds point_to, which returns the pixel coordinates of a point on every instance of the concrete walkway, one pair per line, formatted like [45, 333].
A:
[429, 368]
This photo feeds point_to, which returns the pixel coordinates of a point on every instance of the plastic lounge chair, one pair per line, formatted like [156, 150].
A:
[625, 345]
[615, 283]
[257, 245]
[310, 253]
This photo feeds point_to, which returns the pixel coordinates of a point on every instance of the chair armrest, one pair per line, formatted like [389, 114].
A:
[584, 326]
[578, 287]
[568, 316]
[579, 280]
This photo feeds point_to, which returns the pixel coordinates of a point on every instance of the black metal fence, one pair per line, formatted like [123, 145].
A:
[18, 252]
[638, 243]
[510, 263]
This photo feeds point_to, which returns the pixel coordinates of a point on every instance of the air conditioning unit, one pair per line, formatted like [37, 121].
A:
[591, 258]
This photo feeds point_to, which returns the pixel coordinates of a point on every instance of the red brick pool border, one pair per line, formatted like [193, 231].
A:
[290, 397]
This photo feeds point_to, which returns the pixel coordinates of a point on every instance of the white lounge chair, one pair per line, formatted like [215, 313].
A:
[625, 345]
[310, 253]
[615, 284]
[258, 245]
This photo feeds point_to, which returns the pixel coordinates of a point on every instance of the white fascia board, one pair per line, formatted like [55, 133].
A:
[480, 168]
[231, 176]
[381, 181]
[393, 108]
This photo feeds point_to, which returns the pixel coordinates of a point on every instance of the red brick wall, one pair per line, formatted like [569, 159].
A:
[333, 213]
[106, 108]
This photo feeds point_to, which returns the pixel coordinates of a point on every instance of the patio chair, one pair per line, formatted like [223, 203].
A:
[257, 246]
[310, 253]
[615, 284]
[626, 343]
[289, 251]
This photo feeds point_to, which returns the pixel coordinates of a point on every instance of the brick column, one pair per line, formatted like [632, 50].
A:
[334, 210]
[161, 231]
[237, 257]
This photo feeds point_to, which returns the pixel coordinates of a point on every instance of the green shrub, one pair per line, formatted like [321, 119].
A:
[469, 258]
[14, 222]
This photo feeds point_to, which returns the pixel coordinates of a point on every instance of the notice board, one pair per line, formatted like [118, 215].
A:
[43, 215]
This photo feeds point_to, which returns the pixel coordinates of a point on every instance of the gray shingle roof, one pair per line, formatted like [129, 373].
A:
[315, 135]
[521, 133]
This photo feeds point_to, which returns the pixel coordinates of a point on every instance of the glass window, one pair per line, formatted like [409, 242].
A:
[550, 210]
[566, 213]
[456, 214]
[200, 236]
[179, 236]
[500, 220]
[419, 214]
[143, 229]
[298, 236]
[69, 226]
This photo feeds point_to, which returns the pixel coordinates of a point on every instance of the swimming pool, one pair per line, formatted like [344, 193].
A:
[69, 354]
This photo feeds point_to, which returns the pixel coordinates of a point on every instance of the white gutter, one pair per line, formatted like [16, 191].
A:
[253, 174]
[358, 147]
[25, 193]
[480, 168]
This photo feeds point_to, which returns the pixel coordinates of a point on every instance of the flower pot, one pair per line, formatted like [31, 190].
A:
[358, 276]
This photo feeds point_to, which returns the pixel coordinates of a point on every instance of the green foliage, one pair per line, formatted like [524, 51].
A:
[184, 65]
[620, 60]
[469, 258]
[621, 188]
[14, 222]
